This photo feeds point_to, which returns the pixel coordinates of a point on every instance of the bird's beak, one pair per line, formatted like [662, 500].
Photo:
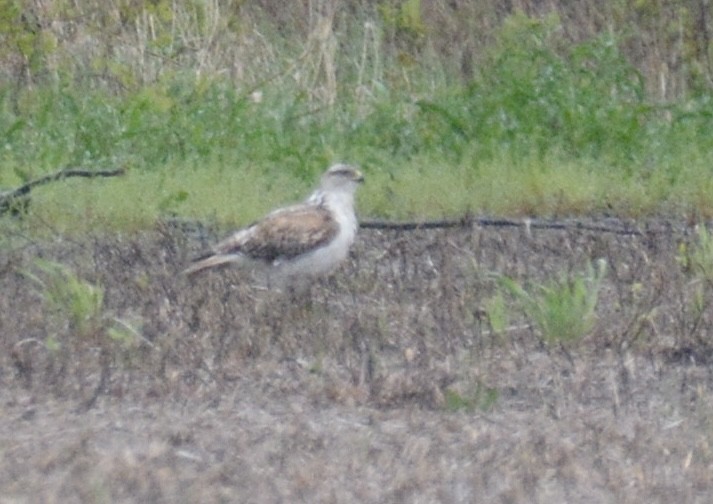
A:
[358, 177]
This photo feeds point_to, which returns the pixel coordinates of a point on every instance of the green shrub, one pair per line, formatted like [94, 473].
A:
[536, 94]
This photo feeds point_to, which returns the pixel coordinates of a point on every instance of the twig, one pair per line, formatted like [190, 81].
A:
[7, 198]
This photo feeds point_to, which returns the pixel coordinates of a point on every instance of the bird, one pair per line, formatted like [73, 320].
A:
[299, 242]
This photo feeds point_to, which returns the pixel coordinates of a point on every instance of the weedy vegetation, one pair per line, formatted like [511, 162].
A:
[448, 365]
[523, 112]
[697, 258]
[563, 310]
[78, 321]
[414, 349]
[78, 302]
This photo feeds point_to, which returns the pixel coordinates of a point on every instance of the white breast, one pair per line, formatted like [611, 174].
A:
[327, 257]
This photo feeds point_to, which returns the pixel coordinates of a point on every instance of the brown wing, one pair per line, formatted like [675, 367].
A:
[283, 234]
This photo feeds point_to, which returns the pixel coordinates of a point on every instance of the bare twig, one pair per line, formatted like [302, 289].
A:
[9, 198]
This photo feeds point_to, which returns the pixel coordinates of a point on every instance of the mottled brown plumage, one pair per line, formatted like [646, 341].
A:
[302, 240]
[284, 235]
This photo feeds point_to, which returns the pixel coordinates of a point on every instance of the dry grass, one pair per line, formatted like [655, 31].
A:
[386, 384]
[125, 45]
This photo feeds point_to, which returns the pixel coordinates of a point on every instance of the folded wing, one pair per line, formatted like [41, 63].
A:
[281, 235]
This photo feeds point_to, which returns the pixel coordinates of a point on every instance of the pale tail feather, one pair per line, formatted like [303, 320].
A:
[210, 262]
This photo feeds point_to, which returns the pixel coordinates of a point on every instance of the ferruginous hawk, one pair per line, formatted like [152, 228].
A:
[299, 241]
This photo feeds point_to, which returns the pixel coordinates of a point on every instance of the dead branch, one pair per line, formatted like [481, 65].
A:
[9, 200]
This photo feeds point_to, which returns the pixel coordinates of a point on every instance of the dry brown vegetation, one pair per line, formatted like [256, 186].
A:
[385, 384]
[411, 375]
[125, 45]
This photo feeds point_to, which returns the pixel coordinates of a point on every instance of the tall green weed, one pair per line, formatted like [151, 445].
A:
[536, 94]
[535, 100]
[563, 310]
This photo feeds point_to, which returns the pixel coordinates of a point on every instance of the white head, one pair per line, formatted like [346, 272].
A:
[342, 178]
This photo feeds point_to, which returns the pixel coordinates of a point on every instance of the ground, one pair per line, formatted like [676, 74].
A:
[384, 383]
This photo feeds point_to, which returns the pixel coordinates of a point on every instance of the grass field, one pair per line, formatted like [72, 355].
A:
[410, 375]
[545, 122]
[528, 363]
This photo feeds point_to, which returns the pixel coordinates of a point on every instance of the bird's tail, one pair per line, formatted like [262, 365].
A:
[211, 261]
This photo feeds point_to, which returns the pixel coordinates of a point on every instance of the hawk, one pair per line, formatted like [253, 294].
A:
[300, 241]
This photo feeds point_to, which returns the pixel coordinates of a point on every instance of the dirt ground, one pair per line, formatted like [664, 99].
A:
[384, 383]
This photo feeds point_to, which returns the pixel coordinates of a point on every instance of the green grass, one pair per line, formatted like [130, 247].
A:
[697, 258]
[135, 201]
[544, 127]
[563, 309]
[230, 193]
[70, 298]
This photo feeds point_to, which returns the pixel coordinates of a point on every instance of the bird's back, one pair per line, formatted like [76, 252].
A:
[307, 239]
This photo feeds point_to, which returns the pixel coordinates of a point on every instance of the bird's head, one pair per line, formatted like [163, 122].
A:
[341, 177]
